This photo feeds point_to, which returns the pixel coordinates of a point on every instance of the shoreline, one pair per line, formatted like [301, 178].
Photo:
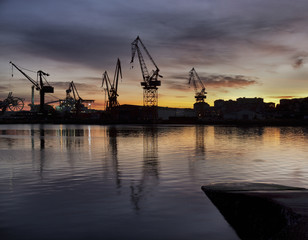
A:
[103, 118]
[229, 123]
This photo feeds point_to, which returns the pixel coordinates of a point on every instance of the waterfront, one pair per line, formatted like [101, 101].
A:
[134, 181]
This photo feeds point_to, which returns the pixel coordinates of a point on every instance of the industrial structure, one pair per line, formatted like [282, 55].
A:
[200, 107]
[150, 82]
[112, 88]
[15, 104]
[39, 84]
[200, 93]
[73, 103]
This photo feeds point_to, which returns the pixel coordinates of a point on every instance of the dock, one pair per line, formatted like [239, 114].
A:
[262, 210]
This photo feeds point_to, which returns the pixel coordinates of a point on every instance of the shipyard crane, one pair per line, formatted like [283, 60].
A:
[75, 102]
[200, 93]
[39, 85]
[112, 88]
[150, 80]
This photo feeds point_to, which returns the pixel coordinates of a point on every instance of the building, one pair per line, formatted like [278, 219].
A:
[165, 113]
[244, 109]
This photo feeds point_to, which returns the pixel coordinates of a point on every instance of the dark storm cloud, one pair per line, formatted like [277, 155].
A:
[224, 39]
[225, 42]
[83, 46]
[199, 32]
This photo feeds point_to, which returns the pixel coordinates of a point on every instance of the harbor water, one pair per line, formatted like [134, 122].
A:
[135, 181]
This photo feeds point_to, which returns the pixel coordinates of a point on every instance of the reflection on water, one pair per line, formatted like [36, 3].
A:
[112, 136]
[80, 181]
[150, 168]
[200, 147]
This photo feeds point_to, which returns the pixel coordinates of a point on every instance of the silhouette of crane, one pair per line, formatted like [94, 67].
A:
[39, 85]
[200, 93]
[112, 88]
[73, 102]
[150, 80]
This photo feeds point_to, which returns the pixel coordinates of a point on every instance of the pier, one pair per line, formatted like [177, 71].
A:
[262, 211]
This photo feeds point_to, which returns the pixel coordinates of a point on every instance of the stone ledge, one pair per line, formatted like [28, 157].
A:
[261, 210]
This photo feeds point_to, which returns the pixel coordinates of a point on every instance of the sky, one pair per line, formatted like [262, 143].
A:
[239, 48]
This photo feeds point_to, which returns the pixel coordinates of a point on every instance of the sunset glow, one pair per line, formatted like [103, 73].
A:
[239, 49]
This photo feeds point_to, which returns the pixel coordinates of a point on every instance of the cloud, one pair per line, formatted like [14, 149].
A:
[3, 88]
[282, 97]
[180, 83]
[222, 82]
[299, 60]
[228, 81]
[103, 32]
[83, 46]
[298, 63]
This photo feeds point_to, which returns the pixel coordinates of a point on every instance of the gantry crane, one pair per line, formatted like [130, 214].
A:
[150, 80]
[112, 88]
[39, 85]
[200, 93]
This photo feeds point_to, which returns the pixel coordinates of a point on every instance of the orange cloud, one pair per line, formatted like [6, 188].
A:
[282, 97]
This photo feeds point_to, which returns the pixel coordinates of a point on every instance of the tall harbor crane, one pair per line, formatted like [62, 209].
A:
[40, 85]
[150, 80]
[112, 88]
[200, 93]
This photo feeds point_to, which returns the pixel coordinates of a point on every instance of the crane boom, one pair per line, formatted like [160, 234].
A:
[150, 81]
[28, 77]
[107, 82]
[135, 47]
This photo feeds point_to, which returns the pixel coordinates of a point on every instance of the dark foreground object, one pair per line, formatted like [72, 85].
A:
[262, 211]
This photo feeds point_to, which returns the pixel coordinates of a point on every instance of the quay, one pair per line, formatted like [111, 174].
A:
[261, 210]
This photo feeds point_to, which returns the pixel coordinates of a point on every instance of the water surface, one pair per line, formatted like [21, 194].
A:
[135, 182]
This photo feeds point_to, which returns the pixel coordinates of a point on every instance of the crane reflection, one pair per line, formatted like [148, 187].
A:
[199, 153]
[150, 168]
[113, 145]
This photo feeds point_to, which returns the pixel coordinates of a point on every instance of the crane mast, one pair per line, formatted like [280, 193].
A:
[150, 80]
[39, 86]
[200, 93]
[112, 88]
